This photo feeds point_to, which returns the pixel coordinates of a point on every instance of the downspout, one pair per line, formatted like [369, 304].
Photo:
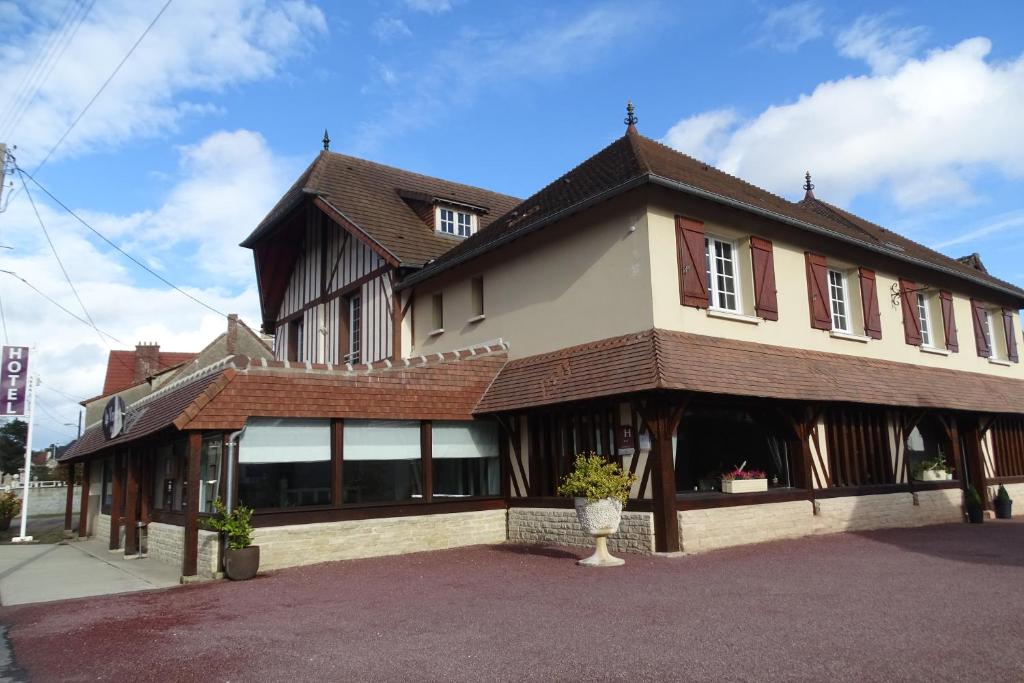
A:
[233, 438]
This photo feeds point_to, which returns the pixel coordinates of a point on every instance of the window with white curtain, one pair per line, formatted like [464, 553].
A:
[285, 462]
[465, 462]
[209, 471]
[382, 461]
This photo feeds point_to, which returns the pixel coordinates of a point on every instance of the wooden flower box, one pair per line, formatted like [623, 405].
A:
[744, 485]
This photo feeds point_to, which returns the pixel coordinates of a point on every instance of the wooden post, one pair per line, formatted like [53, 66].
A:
[117, 498]
[191, 550]
[69, 505]
[131, 507]
[396, 321]
[662, 419]
[427, 459]
[337, 460]
[83, 507]
[975, 458]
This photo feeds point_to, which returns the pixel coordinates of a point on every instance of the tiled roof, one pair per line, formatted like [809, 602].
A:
[633, 160]
[428, 388]
[369, 195]
[660, 359]
[121, 368]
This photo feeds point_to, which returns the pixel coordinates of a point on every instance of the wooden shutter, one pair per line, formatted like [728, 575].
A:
[911, 316]
[1011, 336]
[693, 280]
[978, 315]
[765, 296]
[817, 291]
[948, 321]
[869, 304]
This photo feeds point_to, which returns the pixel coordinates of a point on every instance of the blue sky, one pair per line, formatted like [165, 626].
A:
[908, 113]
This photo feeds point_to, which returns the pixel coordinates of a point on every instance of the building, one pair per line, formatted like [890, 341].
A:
[644, 306]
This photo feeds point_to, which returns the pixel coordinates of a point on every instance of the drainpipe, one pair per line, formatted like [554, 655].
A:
[233, 438]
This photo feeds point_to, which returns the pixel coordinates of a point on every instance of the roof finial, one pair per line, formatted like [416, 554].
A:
[808, 186]
[631, 118]
[327, 141]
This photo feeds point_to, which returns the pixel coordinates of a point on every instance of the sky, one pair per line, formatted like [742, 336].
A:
[909, 114]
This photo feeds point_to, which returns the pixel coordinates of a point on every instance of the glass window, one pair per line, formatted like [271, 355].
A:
[107, 489]
[437, 312]
[209, 472]
[169, 476]
[382, 461]
[285, 463]
[720, 262]
[464, 456]
[447, 221]
[355, 330]
[926, 327]
[465, 224]
[837, 295]
[477, 296]
[989, 332]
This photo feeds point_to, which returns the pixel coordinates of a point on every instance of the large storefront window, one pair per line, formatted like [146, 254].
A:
[382, 461]
[714, 440]
[465, 459]
[928, 451]
[209, 472]
[285, 463]
[107, 489]
[170, 477]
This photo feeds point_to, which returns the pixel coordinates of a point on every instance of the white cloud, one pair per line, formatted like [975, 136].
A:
[389, 29]
[883, 47]
[196, 47]
[999, 224]
[499, 57]
[431, 6]
[920, 133]
[788, 27]
[701, 135]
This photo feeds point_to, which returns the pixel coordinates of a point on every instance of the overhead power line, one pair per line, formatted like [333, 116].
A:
[58, 304]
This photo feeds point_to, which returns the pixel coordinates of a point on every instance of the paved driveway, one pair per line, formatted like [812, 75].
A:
[938, 603]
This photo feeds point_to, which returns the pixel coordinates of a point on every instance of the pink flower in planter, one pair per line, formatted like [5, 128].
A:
[740, 473]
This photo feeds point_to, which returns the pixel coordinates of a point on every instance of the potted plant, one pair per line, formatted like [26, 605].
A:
[742, 480]
[1003, 504]
[10, 507]
[241, 558]
[601, 489]
[975, 508]
[932, 469]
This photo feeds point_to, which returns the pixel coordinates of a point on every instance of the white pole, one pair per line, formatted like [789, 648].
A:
[28, 460]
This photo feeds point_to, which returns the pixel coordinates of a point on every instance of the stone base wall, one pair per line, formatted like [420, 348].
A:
[938, 507]
[713, 528]
[166, 543]
[50, 501]
[1016, 492]
[890, 510]
[101, 526]
[559, 525]
[289, 546]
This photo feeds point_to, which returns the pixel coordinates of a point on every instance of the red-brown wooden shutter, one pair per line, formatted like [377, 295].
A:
[911, 319]
[1011, 336]
[765, 296]
[948, 321]
[693, 284]
[980, 341]
[869, 304]
[817, 291]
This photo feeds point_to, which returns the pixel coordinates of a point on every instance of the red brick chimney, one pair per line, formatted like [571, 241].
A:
[147, 360]
[232, 340]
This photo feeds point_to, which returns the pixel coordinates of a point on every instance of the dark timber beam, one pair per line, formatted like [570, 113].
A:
[662, 416]
[83, 506]
[117, 494]
[191, 550]
[427, 458]
[69, 504]
[131, 504]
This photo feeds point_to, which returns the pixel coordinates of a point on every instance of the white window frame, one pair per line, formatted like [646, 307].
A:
[711, 271]
[989, 332]
[355, 329]
[844, 301]
[454, 221]
[924, 318]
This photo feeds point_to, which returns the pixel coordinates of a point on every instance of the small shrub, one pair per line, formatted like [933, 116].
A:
[595, 478]
[235, 525]
[973, 499]
[1002, 494]
[10, 505]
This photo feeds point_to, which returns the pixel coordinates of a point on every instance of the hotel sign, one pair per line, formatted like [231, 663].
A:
[13, 381]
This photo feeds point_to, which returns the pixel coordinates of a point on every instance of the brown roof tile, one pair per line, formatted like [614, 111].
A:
[660, 359]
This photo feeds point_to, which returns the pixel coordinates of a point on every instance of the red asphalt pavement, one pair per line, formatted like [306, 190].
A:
[936, 603]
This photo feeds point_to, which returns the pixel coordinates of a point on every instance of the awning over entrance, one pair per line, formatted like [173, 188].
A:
[661, 359]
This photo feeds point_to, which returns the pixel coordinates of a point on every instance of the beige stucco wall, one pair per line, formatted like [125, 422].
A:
[290, 546]
[560, 526]
[580, 281]
[793, 327]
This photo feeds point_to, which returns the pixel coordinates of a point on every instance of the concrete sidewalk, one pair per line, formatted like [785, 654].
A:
[42, 573]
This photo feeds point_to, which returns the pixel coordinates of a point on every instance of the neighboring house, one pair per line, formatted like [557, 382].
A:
[644, 306]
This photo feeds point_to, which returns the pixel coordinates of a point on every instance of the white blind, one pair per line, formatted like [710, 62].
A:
[382, 440]
[270, 439]
[464, 440]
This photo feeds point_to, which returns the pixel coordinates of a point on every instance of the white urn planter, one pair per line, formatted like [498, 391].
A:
[600, 519]
[933, 475]
[744, 485]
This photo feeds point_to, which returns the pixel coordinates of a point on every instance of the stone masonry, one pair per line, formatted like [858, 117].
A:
[101, 526]
[713, 528]
[289, 546]
[559, 525]
[166, 543]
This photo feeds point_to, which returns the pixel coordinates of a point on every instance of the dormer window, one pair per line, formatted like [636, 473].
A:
[456, 222]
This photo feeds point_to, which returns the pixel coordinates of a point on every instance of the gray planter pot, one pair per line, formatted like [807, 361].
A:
[241, 565]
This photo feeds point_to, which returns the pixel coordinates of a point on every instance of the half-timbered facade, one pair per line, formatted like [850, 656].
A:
[443, 352]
